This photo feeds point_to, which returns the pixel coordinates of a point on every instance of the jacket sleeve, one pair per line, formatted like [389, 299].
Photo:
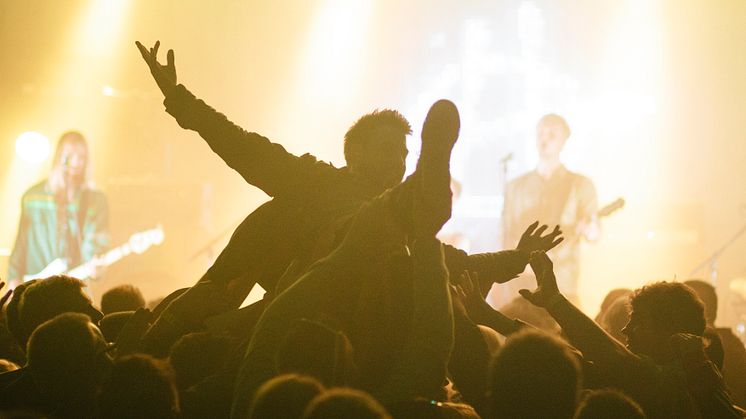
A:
[259, 161]
[497, 267]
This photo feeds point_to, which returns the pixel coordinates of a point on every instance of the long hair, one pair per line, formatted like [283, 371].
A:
[56, 176]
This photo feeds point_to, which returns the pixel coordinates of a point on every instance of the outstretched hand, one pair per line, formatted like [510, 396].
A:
[165, 76]
[546, 283]
[532, 239]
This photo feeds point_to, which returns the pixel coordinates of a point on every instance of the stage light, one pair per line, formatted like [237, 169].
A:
[33, 147]
[107, 91]
[335, 50]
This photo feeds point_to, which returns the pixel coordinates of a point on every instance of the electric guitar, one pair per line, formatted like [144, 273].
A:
[138, 243]
[605, 211]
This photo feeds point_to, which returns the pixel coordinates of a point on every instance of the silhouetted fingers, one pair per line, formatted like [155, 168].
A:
[459, 290]
[541, 230]
[556, 232]
[476, 285]
[555, 243]
[529, 231]
[143, 51]
[467, 284]
[5, 298]
[170, 58]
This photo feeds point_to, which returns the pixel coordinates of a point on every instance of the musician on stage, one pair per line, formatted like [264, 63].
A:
[63, 217]
[552, 195]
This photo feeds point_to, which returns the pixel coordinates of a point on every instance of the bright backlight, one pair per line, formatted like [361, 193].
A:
[33, 147]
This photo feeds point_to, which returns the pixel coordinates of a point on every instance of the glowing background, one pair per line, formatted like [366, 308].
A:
[654, 91]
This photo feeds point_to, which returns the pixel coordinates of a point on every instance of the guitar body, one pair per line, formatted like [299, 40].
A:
[56, 267]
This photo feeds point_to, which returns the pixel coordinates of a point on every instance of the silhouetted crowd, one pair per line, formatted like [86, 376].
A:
[367, 314]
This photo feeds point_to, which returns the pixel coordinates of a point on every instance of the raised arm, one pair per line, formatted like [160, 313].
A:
[595, 344]
[480, 312]
[260, 162]
[505, 265]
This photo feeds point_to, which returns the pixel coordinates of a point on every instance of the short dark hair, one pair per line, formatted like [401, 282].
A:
[139, 386]
[64, 357]
[284, 396]
[362, 130]
[46, 299]
[608, 403]
[534, 375]
[339, 403]
[196, 356]
[122, 298]
[554, 119]
[672, 306]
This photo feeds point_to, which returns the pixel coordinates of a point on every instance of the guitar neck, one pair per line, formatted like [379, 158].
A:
[85, 270]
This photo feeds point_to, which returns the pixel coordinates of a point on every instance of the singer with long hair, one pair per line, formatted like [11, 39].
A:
[63, 217]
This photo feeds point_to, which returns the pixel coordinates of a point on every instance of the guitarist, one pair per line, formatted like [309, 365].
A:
[552, 195]
[63, 217]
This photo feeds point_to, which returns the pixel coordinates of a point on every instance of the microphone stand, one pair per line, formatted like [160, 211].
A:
[712, 260]
[208, 248]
